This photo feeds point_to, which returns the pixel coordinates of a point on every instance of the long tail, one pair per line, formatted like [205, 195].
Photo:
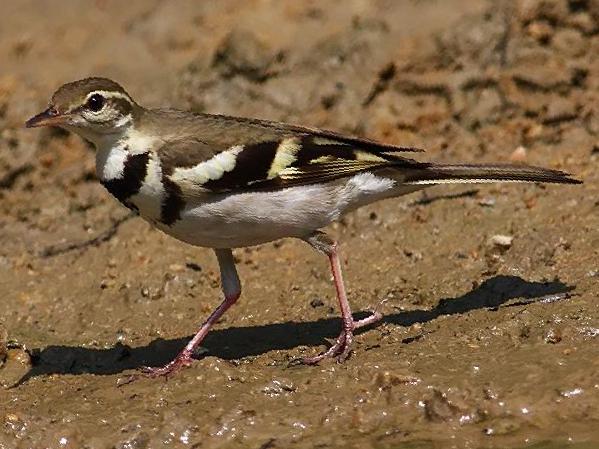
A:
[478, 173]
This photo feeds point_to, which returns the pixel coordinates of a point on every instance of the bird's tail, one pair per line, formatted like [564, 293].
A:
[481, 173]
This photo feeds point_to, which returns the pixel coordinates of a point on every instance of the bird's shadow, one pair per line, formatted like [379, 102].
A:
[238, 342]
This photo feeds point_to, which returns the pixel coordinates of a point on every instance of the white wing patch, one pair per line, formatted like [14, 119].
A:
[364, 156]
[210, 170]
[285, 156]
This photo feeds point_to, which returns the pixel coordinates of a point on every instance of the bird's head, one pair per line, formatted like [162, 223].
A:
[95, 108]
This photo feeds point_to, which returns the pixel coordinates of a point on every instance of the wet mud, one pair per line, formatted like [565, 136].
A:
[490, 293]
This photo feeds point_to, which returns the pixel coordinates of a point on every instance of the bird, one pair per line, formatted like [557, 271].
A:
[225, 182]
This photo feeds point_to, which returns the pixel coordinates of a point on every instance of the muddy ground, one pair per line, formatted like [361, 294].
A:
[487, 342]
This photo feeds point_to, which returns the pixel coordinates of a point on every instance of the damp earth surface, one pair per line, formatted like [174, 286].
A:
[490, 293]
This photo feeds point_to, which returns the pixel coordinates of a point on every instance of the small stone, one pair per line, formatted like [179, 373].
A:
[540, 30]
[17, 364]
[553, 337]
[519, 154]
[502, 241]
[193, 266]
[176, 267]
[317, 302]
[278, 387]
[487, 202]
[571, 393]
[106, 283]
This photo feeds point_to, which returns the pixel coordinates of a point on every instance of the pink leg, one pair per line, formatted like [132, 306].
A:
[232, 291]
[185, 357]
[342, 347]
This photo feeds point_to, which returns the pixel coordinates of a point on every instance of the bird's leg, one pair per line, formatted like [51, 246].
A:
[342, 346]
[232, 290]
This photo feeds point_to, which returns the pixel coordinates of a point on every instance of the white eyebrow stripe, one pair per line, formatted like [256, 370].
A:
[109, 94]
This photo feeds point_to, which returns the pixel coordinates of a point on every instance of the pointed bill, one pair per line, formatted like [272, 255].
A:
[49, 117]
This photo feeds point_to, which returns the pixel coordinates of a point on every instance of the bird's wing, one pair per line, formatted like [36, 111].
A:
[261, 127]
[239, 154]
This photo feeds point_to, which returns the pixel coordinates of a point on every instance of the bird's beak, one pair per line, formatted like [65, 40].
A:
[49, 117]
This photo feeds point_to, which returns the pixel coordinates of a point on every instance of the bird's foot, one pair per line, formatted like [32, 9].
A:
[342, 346]
[184, 359]
[340, 350]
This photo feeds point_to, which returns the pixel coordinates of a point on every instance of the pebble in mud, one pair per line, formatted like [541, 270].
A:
[16, 365]
[438, 408]
[501, 241]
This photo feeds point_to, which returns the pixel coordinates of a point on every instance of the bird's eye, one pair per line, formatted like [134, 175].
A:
[95, 102]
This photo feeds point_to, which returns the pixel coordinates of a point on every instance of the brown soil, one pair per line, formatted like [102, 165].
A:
[485, 343]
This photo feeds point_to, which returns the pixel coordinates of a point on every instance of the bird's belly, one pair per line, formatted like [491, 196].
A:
[251, 218]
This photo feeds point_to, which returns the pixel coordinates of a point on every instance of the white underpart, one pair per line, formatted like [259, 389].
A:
[211, 169]
[250, 218]
[110, 163]
[361, 189]
[151, 194]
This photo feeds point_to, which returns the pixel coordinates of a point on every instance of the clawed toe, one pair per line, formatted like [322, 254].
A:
[337, 350]
[181, 361]
[342, 347]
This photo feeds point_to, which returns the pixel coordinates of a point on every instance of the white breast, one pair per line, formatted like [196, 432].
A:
[110, 163]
